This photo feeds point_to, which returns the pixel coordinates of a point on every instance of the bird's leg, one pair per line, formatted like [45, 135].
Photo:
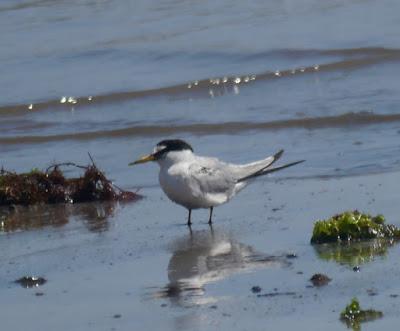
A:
[210, 218]
[189, 222]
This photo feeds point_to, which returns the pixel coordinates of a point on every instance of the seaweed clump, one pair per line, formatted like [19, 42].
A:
[51, 186]
[352, 225]
[353, 316]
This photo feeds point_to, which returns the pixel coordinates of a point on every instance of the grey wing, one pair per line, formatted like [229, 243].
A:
[213, 178]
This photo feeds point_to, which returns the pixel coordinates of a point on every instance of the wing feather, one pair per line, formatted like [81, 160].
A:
[212, 179]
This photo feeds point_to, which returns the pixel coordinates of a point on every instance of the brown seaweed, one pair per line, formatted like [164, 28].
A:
[51, 186]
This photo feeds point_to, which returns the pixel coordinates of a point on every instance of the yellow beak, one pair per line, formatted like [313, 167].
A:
[143, 159]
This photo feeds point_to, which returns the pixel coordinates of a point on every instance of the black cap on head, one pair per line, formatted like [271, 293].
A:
[169, 145]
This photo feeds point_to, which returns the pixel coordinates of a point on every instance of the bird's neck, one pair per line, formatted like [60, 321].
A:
[176, 157]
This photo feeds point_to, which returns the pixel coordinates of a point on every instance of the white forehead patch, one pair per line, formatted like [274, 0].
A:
[159, 148]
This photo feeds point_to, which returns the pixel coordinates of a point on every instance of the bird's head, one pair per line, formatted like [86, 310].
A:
[173, 149]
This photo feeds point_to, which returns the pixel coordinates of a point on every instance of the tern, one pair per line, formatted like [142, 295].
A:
[195, 182]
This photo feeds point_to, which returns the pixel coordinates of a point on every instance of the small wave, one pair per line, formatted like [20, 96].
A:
[354, 59]
[24, 5]
[345, 120]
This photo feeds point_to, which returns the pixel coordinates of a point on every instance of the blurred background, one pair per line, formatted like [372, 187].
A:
[237, 79]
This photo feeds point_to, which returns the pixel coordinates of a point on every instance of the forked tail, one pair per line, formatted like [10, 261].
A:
[266, 171]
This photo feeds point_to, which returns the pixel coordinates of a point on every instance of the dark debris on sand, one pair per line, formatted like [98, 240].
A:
[319, 280]
[51, 186]
[31, 281]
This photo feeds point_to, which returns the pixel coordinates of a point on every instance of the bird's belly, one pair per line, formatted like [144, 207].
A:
[179, 191]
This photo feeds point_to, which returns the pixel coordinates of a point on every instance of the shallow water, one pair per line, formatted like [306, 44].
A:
[238, 80]
[160, 274]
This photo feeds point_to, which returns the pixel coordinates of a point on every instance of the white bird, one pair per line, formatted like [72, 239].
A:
[194, 181]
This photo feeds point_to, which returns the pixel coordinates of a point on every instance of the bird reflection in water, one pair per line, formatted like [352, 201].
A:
[205, 257]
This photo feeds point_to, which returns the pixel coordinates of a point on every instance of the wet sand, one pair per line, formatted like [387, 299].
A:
[157, 274]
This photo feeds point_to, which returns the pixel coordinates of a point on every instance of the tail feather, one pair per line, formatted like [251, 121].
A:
[247, 169]
[277, 156]
[267, 170]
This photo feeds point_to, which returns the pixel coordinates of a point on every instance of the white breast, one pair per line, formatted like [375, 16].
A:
[177, 186]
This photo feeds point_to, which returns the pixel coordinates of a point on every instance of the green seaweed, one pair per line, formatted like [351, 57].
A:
[352, 225]
[353, 315]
